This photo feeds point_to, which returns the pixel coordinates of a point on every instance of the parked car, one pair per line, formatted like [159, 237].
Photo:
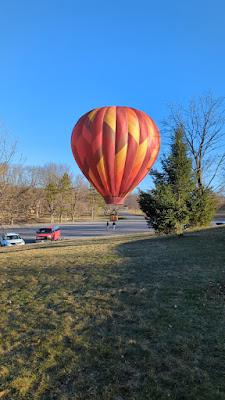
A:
[49, 233]
[11, 239]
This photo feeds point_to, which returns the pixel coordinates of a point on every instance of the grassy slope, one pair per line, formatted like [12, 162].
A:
[126, 318]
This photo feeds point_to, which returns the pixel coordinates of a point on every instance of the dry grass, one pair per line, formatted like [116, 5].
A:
[114, 319]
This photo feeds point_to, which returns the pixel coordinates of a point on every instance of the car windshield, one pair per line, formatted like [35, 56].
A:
[12, 237]
[44, 230]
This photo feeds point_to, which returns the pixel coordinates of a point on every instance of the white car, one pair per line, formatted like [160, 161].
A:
[11, 239]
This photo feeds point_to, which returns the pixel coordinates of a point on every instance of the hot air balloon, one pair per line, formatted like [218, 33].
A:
[115, 147]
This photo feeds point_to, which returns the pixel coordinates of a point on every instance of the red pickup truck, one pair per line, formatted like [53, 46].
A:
[49, 233]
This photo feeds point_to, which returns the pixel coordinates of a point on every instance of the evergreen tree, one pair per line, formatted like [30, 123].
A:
[202, 206]
[167, 205]
[51, 199]
[64, 193]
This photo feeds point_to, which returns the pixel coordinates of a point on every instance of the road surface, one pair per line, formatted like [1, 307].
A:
[85, 229]
[132, 224]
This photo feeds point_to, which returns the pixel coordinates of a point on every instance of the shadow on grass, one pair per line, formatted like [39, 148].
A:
[146, 324]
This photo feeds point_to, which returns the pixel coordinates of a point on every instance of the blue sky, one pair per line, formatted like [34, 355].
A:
[60, 59]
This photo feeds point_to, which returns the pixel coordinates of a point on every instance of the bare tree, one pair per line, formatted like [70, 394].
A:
[51, 175]
[7, 153]
[132, 203]
[20, 193]
[203, 121]
[78, 196]
[95, 202]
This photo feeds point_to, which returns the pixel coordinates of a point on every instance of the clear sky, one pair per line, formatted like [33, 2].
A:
[61, 58]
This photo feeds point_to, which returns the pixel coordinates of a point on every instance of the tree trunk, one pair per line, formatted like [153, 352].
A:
[37, 209]
[92, 213]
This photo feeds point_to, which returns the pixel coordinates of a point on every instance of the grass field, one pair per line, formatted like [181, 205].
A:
[114, 319]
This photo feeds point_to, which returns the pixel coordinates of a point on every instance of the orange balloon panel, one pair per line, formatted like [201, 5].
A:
[115, 147]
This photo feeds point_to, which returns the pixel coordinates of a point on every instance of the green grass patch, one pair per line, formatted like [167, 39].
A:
[135, 318]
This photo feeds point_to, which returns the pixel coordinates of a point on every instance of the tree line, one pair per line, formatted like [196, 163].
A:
[48, 193]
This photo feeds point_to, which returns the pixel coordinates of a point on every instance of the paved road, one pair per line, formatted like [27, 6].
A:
[87, 229]
[92, 229]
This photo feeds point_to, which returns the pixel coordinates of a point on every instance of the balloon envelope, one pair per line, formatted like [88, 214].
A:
[115, 147]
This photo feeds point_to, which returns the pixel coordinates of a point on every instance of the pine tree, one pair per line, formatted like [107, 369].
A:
[51, 199]
[64, 193]
[203, 206]
[167, 205]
